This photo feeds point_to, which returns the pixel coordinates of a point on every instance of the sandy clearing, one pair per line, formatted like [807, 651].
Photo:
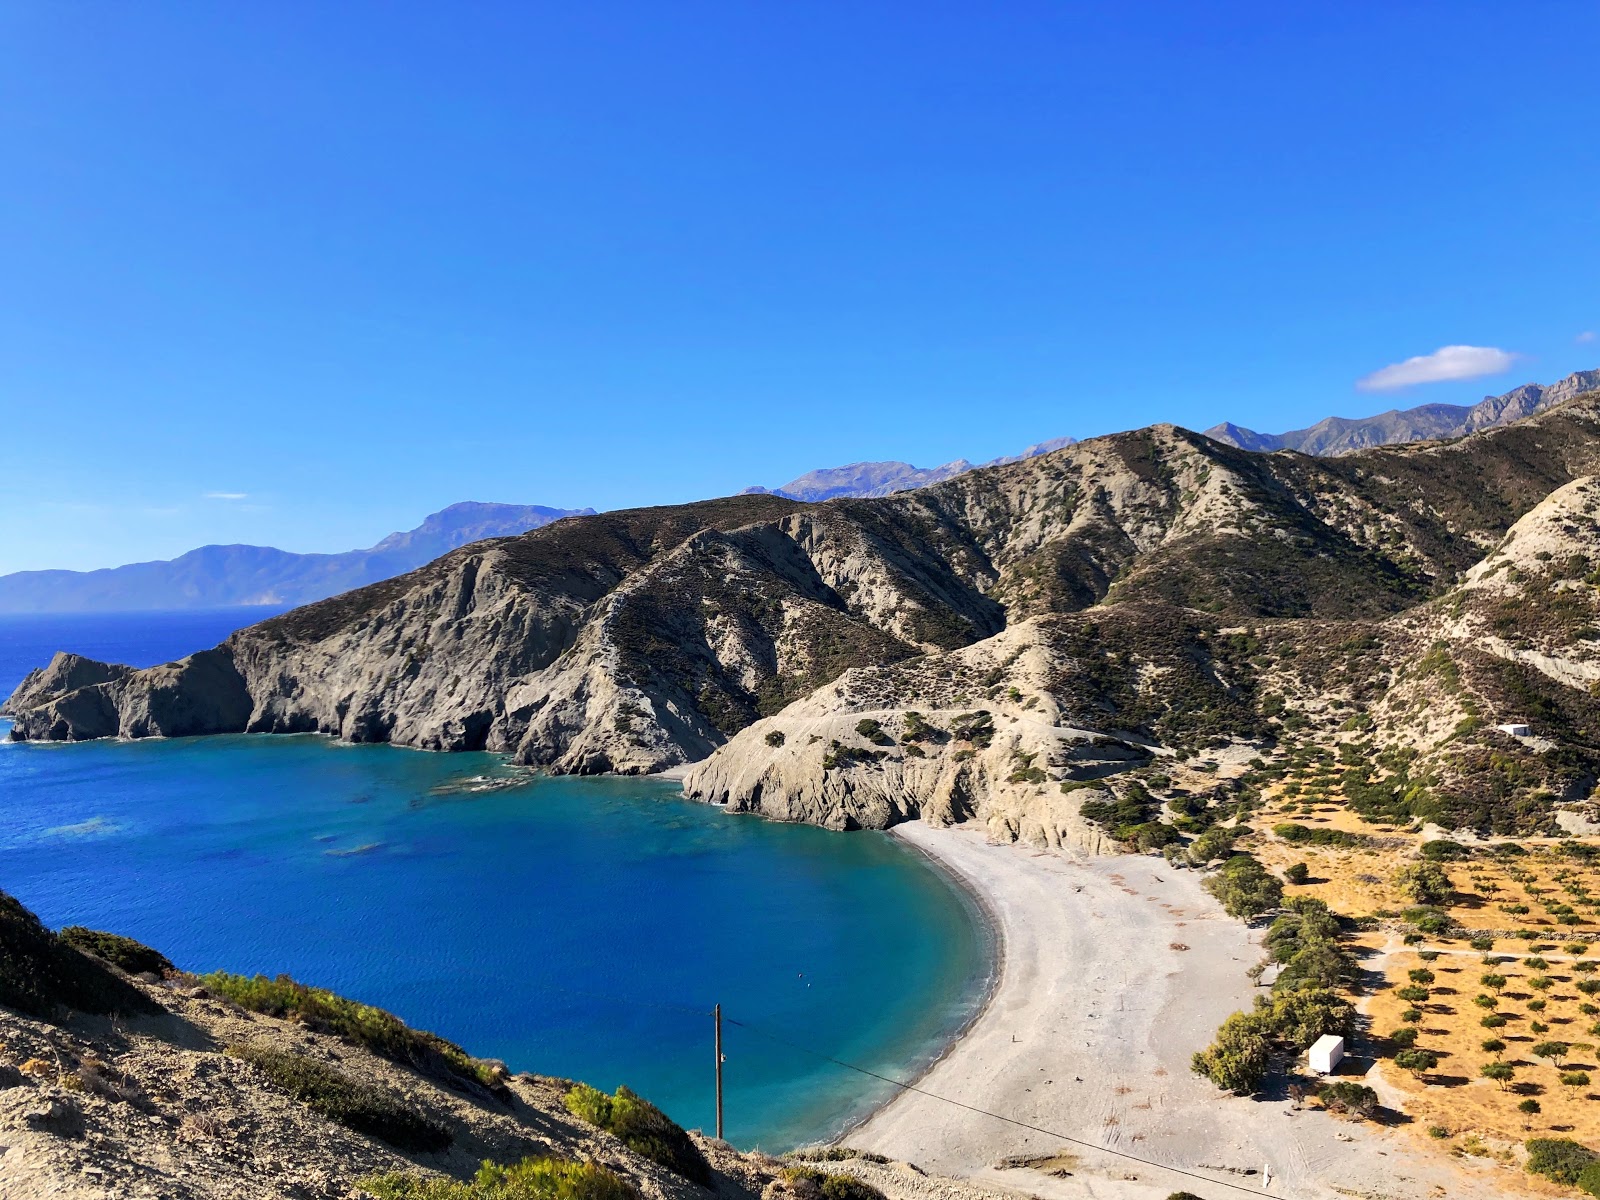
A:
[1089, 1034]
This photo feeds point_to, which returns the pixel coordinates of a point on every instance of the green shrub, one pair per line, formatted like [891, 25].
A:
[835, 1187]
[1245, 888]
[121, 952]
[873, 732]
[1443, 850]
[1426, 883]
[381, 1032]
[1123, 817]
[41, 973]
[1213, 844]
[354, 1104]
[1297, 873]
[642, 1127]
[775, 737]
[530, 1179]
[1237, 1060]
[1346, 1096]
[1561, 1160]
[1305, 835]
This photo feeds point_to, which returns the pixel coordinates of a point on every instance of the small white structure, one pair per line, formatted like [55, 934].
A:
[1515, 729]
[1326, 1053]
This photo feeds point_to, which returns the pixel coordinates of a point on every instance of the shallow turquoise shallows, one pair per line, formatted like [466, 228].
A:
[577, 927]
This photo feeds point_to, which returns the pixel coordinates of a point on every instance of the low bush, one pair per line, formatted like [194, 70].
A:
[1214, 843]
[642, 1127]
[873, 731]
[530, 1179]
[122, 952]
[1346, 1096]
[381, 1032]
[1426, 883]
[1245, 888]
[1561, 1160]
[834, 1187]
[1306, 835]
[356, 1105]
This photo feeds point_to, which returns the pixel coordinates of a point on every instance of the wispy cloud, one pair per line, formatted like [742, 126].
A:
[227, 495]
[1445, 364]
[1586, 336]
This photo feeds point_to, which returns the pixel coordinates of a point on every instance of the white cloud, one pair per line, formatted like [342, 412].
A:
[1443, 365]
[227, 495]
[1586, 336]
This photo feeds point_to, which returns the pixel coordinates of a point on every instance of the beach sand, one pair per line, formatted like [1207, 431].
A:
[1114, 971]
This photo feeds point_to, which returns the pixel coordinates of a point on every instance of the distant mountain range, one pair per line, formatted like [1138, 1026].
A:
[1426, 422]
[225, 576]
[886, 478]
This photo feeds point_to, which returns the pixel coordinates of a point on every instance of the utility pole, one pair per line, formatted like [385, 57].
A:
[716, 1014]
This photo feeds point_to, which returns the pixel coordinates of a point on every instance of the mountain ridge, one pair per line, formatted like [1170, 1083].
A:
[1425, 422]
[220, 576]
[1029, 611]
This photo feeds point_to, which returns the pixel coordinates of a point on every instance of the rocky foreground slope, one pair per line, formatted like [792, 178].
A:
[985, 646]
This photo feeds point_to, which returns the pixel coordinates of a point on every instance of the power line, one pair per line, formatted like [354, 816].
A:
[909, 1087]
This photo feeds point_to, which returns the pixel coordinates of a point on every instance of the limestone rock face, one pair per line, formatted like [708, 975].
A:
[1004, 732]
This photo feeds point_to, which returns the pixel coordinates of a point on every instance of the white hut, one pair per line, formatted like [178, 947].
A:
[1515, 729]
[1326, 1053]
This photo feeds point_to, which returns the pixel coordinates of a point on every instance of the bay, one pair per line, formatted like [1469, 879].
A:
[575, 927]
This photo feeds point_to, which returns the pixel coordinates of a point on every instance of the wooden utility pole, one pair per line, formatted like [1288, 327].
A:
[716, 1014]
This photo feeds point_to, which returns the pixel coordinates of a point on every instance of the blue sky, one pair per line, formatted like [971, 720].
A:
[299, 274]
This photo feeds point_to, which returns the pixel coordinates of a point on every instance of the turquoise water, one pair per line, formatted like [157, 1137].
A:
[579, 927]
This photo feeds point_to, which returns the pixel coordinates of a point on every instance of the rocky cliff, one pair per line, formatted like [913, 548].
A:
[1091, 581]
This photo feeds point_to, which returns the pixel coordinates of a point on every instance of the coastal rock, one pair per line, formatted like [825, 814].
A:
[65, 673]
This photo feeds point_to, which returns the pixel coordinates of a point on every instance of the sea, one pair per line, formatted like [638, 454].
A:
[578, 927]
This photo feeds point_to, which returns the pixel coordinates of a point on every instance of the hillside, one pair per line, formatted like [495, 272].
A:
[226, 576]
[1156, 588]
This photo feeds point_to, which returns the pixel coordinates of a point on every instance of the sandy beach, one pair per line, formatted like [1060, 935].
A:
[1114, 971]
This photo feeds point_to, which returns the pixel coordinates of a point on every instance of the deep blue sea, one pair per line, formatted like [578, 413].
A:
[578, 927]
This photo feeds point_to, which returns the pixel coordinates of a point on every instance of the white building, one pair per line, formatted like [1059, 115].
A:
[1515, 729]
[1326, 1053]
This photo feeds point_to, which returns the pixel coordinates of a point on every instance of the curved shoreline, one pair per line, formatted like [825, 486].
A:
[995, 954]
[1075, 1080]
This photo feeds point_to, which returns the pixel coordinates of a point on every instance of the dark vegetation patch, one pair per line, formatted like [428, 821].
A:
[1318, 835]
[530, 1179]
[381, 1032]
[122, 952]
[41, 974]
[360, 1106]
[831, 1186]
[1160, 671]
[642, 1127]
